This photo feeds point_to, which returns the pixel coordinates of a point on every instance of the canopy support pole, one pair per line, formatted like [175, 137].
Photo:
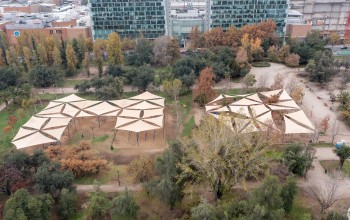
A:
[75, 127]
[129, 137]
[99, 123]
[154, 134]
[115, 134]
[146, 136]
[137, 138]
[68, 132]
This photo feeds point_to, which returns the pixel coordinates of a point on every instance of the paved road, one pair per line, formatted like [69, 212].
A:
[71, 90]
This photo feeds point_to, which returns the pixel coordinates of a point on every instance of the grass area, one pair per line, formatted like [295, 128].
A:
[106, 176]
[186, 100]
[299, 212]
[333, 165]
[321, 145]
[188, 127]
[71, 82]
[274, 154]
[102, 138]
[5, 139]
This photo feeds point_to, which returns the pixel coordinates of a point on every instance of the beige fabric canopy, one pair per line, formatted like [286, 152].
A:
[223, 109]
[70, 110]
[53, 110]
[84, 104]
[56, 133]
[123, 103]
[123, 121]
[57, 122]
[146, 96]
[265, 118]
[35, 122]
[138, 126]
[130, 113]
[294, 128]
[284, 96]
[82, 114]
[254, 97]
[143, 105]
[242, 110]
[300, 117]
[258, 109]
[157, 120]
[22, 132]
[34, 139]
[211, 107]
[102, 108]
[152, 113]
[290, 104]
[220, 97]
[271, 93]
[245, 101]
[70, 98]
[112, 114]
[280, 108]
[57, 115]
[159, 102]
[51, 105]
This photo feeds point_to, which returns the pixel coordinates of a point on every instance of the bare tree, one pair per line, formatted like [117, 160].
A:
[262, 82]
[291, 85]
[335, 130]
[325, 195]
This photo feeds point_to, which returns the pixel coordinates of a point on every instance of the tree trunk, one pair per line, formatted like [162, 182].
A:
[218, 190]
[341, 163]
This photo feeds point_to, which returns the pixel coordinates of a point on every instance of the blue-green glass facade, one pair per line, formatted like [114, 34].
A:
[224, 13]
[128, 18]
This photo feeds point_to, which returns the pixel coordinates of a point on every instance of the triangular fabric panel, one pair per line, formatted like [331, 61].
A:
[131, 113]
[102, 108]
[32, 140]
[138, 126]
[58, 115]
[280, 108]
[146, 96]
[254, 97]
[211, 107]
[22, 133]
[223, 109]
[245, 101]
[114, 113]
[57, 122]
[123, 103]
[294, 128]
[216, 99]
[56, 133]
[284, 96]
[159, 102]
[271, 93]
[70, 110]
[258, 109]
[70, 98]
[82, 114]
[300, 117]
[53, 110]
[290, 104]
[265, 118]
[152, 113]
[35, 122]
[122, 121]
[242, 110]
[143, 106]
[84, 104]
[51, 105]
[157, 120]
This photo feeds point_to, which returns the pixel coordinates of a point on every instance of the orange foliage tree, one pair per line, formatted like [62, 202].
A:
[324, 124]
[214, 37]
[81, 160]
[203, 91]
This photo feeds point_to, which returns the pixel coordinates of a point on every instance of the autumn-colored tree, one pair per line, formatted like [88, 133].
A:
[71, 60]
[278, 82]
[7, 129]
[195, 38]
[42, 54]
[165, 51]
[98, 57]
[283, 53]
[27, 57]
[10, 179]
[324, 124]
[141, 169]
[173, 88]
[264, 30]
[81, 159]
[252, 46]
[232, 37]
[272, 53]
[242, 58]
[271, 99]
[127, 44]
[57, 58]
[2, 60]
[12, 56]
[334, 39]
[12, 120]
[86, 64]
[89, 44]
[214, 37]
[203, 87]
[297, 94]
[50, 47]
[114, 49]
[292, 60]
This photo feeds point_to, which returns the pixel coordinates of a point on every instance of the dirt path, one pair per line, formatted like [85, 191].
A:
[109, 188]
[317, 175]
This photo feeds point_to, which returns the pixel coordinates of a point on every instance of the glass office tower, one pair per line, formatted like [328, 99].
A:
[223, 13]
[128, 18]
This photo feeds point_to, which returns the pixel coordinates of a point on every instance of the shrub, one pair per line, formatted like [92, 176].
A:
[125, 205]
[203, 211]
[292, 60]
[201, 99]
[141, 169]
[336, 216]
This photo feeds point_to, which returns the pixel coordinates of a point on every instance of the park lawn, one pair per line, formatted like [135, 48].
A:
[333, 165]
[5, 139]
[107, 176]
[299, 210]
[102, 138]
[188, 127]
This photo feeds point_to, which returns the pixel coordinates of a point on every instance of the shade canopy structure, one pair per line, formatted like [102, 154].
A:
[123, 103]
[139, 113]
[146, 96]
[34, 139]
[22, 132]
[57, 122]
[252, 114]
[300, 117]
[292, 127]
[102, 108]
[35, 122]
[69, 99]
[138, 126]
